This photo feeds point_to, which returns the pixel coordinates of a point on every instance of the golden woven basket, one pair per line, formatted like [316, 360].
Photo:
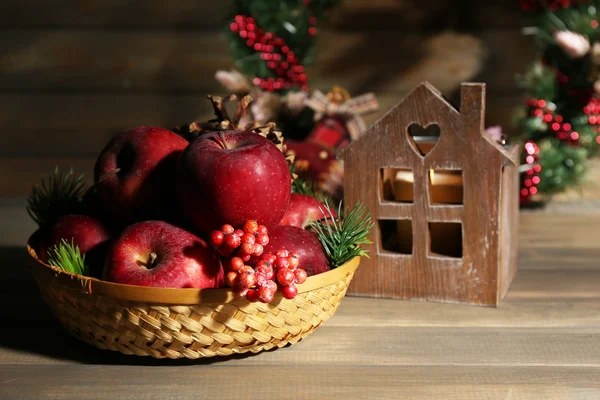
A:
[186, 323]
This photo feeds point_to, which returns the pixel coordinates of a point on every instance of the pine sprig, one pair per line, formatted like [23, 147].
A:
[56, 195]
[342, 236]
[67, 257]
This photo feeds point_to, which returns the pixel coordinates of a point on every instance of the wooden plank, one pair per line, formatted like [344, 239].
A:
[311, 382]
[114, 13]
[402, 15]
[17, 175]
[124, 61]
[80, 125]
[358, 345]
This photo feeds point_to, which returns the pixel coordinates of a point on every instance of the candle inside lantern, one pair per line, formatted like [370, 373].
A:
[445, 186]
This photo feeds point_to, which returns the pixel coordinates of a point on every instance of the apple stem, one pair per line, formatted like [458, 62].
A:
[224, 142]
[152, 258]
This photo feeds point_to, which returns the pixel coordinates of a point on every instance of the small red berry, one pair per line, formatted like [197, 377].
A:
[248, 238]
[285, 277]
[262, 238]
[269, 257]
[232, 241]
[236, 264]
[262, 230]
[300, 276]
[238, 232]
[246, 249]
[282, 262]
[216, 238]
[282, 253]
[247, 280]
[258, 249]
[261, 279]
[252, 295]
[265, 268]
[227, 229]
[271, 285]
[231, 278]
[294, 260]
[246, 258]
[289, 292]
[265, 295]
[251, 227]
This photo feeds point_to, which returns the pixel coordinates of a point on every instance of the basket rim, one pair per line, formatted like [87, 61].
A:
[187, 296]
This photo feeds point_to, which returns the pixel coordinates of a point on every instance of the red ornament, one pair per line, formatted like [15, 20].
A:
[330, 133]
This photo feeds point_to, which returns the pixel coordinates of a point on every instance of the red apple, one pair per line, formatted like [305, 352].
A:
[312, 258]
[158, 254]
[232, 177]
[135, 173]
[302, 210]
[85, 232]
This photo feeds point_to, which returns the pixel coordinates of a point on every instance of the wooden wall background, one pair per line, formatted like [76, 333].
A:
[74, 72]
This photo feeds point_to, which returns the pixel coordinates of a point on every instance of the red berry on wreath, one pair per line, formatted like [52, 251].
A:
[262, 230]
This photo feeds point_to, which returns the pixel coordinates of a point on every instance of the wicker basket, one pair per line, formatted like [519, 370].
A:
[186, 323]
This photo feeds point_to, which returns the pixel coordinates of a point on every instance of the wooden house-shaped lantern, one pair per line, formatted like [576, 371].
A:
[446, 208]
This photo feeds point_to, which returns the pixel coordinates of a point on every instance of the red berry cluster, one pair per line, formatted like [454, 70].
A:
[544, 110]
[592, 110]
[532, 176]
[279, 57]
[553, 5]
[248, 242]
[260, 283]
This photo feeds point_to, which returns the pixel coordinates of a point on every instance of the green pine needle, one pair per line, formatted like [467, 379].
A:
[67, 257]
[55, 195]
[342, 236]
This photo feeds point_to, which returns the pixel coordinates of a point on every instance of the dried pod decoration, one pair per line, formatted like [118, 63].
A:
[241, 121]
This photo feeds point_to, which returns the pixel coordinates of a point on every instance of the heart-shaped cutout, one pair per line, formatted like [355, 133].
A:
[423, 140]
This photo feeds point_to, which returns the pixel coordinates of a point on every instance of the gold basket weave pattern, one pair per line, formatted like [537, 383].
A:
[205, 324]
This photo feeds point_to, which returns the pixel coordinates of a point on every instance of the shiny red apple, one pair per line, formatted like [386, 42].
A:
[232, 177]
[87, 233]
[293, 239]
[135, 173]
[304, 209]
[158, 254]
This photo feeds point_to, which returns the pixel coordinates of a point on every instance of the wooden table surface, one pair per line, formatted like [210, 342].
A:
[543, 342]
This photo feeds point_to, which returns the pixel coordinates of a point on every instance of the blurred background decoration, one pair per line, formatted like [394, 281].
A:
[75, 72]
[560, 118]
